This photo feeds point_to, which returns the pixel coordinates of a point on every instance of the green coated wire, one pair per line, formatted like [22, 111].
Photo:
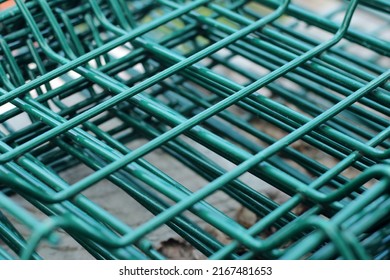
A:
[87, 57]
[179, 110]
[97, 109]
[334, 111]
[44, 175]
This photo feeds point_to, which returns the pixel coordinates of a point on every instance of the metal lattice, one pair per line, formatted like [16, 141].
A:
[255, 99]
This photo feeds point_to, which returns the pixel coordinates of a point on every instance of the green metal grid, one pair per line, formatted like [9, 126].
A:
[307, 115]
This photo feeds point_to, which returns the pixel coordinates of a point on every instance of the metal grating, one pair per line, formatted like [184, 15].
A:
[256, 99]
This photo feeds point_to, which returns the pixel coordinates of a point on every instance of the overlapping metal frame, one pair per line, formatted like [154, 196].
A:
[341, 108]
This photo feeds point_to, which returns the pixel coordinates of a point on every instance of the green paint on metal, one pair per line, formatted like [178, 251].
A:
[240, 96]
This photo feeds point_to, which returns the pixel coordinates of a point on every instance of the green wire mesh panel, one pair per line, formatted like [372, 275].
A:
[248, 129]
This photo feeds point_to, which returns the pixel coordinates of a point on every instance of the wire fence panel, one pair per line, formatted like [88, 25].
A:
[226, 129]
